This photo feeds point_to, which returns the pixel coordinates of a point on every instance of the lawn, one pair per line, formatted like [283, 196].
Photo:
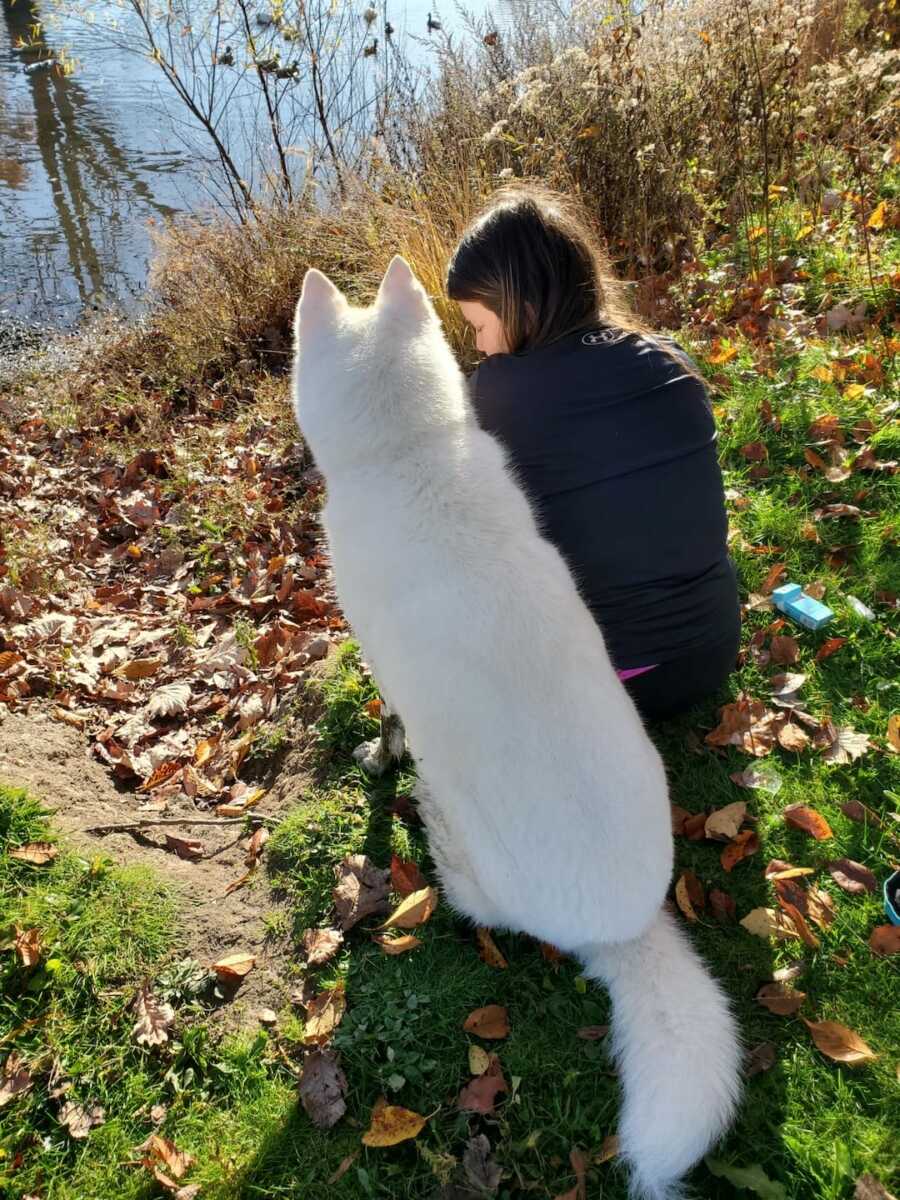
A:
[809, 443]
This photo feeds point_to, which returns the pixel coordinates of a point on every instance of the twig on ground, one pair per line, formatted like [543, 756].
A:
[115, 828]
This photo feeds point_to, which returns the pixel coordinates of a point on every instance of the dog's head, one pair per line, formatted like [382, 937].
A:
[369, 380]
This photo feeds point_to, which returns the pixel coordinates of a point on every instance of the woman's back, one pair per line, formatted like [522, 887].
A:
[613, 440]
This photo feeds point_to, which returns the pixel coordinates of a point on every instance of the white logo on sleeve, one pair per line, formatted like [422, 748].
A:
[603, 337]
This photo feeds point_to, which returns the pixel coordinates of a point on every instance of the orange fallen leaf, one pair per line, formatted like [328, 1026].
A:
[772, 579]
[807, 820]
[839, 1043]
[739, 848]
[28, 946]
[798, 920]
[139, 668]
[830, 647]
[784, 650]
[609, 1148]
[188, 848]
[480, 1095]
[488, 950]
[164, 1153]
[391, 1124]
[689, 895]
[782, 870]
[396, 945]
[239, 883]
[37, 853]
[492, 1021]
[406, 877]
[893, 733]
[163, 773]
[320, 945]
[323, 1015]
[885, 939]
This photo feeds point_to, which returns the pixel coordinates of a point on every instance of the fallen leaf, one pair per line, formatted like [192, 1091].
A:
[792, 971]
[592, 1033]
[821, 907]
[323, 1015]
[689, 895]
[322, 1088]
[846, 746]
[79, 1119]
[852, 876]
[798, 921]
[406, 877]
[15, 1079]
[784, 649]
[893, 733]
[234, 966]
[319, 945]
[37, 853]
[752, 1178]
[792, 737]
[722, 906]
[480, 1095]
[884, 940]
[240, 881]
[139, 668]
[769, 923]
[839, 1043]
[754, 451]
[362, 890]
[780, 999]
[28, 946]
[760, 1058]
[479, 1059]
[679, 816]
[414, 910]
[609, 1148]
[255, 847]
[170, 700]
[391, 1124]
[830, 647]
[343, 1167]
[741, 847]
[488, 950]
[188, 848]
[806, 819]
[723, 823]
[764, 779]
[489, 1022]
[782, 870]
[161, 1152]
[481, 1170]
[162, 774]
[858, 811]
[745, 723]
[153, 1018]
[870, 1188]
[772, 579]
[396, 945]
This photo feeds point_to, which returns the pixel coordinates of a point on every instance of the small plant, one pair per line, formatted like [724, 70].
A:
[183, 982]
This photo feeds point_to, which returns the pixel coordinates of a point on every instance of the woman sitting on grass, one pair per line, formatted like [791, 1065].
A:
[611, 434]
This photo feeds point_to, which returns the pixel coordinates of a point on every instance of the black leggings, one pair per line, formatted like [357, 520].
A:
[675, 686]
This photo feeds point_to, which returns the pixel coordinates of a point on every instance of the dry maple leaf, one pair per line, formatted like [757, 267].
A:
[806, 819]
[322, 1088]
[320, 945]
[234, 966]
[480, 1094]
[406, 877]
[391, 1124]
[362, 890]
[780, 999]
[79, 1119]
[15, 1079]
[738, 849]
[839, 1043]
[323, 1015]
[414, 910]
[36, 853]
[846, 745]
[489, 1022]
[396, 945]
[488, 951]
[885, 939]
[748, 724]
[852, 876]
[153, 1018]
[723, 823]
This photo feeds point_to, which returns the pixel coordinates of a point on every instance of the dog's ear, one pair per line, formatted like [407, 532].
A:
[320, 304]
[401, 294]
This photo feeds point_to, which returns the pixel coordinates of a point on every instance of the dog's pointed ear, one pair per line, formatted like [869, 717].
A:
[401, 293]
[320, 304]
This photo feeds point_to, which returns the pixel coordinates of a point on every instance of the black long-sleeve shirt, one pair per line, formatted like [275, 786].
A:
[614, 441]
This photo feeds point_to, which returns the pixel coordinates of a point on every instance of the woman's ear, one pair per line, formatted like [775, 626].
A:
[401, 294]
[320, 305]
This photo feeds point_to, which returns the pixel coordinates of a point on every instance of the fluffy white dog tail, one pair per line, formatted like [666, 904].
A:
[678, 1051]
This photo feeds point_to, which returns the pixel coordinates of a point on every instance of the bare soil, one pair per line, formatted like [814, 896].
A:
[52, 760]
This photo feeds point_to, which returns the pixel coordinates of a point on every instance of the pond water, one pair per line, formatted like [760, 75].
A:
[88, 159]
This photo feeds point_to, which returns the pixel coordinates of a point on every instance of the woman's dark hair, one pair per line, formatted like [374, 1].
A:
[531, 258]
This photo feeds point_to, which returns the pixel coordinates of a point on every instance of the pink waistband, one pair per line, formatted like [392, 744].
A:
[632, 671]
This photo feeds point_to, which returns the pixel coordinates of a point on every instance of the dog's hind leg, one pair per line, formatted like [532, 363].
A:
[381, 753]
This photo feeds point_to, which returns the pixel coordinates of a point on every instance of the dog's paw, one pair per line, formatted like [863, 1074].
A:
[372, 757]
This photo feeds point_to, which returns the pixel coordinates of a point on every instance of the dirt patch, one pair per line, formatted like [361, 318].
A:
[53, 761]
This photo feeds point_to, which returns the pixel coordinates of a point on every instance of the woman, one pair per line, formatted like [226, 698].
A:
[611, 433]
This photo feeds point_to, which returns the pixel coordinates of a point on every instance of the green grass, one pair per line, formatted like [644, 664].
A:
[813, 1125]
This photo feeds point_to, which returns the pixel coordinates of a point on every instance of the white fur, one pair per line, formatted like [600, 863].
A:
[545, 801]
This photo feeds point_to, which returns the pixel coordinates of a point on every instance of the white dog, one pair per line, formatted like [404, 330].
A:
[544, 800]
